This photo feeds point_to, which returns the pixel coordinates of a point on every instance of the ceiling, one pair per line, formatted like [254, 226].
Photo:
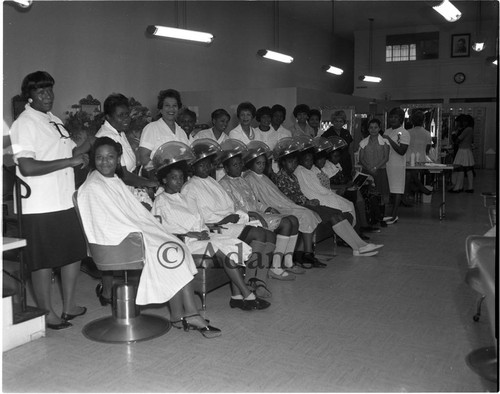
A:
[351, 15]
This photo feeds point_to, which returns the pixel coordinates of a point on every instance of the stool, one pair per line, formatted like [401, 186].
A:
[126, 325]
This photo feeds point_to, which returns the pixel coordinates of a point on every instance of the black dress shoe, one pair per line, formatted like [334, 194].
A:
[103, 300]
[66, 316]
[455, 191]
[309, 257]
[469, 191]
[364, 237]
[249, 305]
[60, 326]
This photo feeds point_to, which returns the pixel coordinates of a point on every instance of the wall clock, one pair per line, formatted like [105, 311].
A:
[459, 78]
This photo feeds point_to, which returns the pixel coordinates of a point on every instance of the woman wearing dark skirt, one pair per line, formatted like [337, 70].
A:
[45, 157]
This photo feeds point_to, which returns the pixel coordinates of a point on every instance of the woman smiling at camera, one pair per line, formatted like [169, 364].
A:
[45, 156]
[164, 129]
[110, 213]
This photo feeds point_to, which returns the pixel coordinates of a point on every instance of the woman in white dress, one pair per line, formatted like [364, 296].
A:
[220, 121]
[312, 187]
[205, 195]
[116, 124]
[110, 213]
[399, 140]
[284, 226]
[164, 129]
[286, 151]
[170, 162]
[301, 127]
[244, 131]
[268, 193]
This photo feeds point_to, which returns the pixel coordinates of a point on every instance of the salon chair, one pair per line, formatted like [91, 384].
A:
[481, 276]
[126, 324]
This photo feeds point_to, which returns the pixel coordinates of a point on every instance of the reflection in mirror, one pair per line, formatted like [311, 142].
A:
[432, 123]
[327, 113]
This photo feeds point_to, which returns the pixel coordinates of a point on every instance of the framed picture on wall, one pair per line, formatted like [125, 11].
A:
[460, 45]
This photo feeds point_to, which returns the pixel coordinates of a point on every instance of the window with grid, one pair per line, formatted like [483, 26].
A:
[410, 47]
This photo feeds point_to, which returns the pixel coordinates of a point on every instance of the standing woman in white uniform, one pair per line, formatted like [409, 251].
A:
[244, 131]
[164, 129]
[45, 156]
[220, 121]
[399, 140]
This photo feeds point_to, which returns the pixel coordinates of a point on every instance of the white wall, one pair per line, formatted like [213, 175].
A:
[99, 47]
[433, 79]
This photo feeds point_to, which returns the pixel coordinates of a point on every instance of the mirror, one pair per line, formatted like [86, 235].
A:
[432, 122]
[326, 117]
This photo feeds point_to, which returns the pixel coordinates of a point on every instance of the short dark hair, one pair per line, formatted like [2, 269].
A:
[261, 112]
[301, 108]
[163, 172]
[316, 112]
[188, 112]
[375, 120]
[36, 80]
[246, 106]
[102, 141]
[113, 101]
[398, 111]
[417, 118]
[278, 108]
[171, 93]
[219, 113]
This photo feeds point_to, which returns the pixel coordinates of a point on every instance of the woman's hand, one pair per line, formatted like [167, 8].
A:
[81, 159]
[233, 218]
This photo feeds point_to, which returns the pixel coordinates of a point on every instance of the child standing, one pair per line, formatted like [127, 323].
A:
[373, 156]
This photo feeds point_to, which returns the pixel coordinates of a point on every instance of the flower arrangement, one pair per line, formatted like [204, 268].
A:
[84, 118]
[140, 116]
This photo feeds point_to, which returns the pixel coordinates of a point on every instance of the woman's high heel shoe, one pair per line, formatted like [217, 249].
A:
[103, 300]
[207, 331]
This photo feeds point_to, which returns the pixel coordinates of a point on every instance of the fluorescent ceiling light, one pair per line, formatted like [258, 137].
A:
[279, 57]
[180, 34]
[369, 78]
[478, 46]
[23, 3]
[333, 70]
[448, 11]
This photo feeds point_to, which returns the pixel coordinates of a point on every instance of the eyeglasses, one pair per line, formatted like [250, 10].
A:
[59, 130]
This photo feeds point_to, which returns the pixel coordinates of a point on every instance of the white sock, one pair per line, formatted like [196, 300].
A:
[290, 247]
[250, 297]
[279, 251]
[237, 297]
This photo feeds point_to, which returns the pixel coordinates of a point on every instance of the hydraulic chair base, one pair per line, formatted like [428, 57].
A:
[126, 325]
[484, 362]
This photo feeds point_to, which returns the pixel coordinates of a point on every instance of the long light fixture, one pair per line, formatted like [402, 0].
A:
[329, 68]
[369, 78]
[478, 44]
[181, 34]
[448, 11]
[272, 55]
[333, 70]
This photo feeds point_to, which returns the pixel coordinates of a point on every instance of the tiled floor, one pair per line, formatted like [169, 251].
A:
[401, 321]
